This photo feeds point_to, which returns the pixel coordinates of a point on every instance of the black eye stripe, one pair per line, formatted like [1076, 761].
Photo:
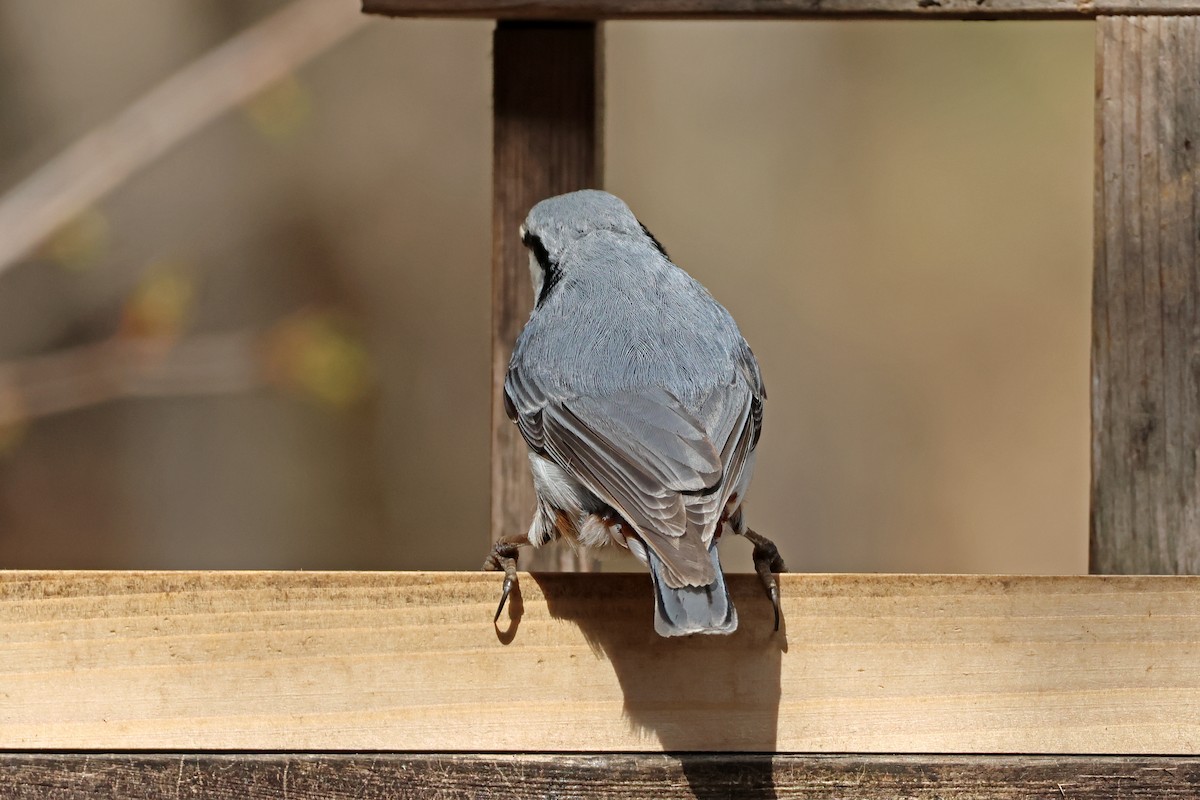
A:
[534, 243]
[551, 274]
[657, 244]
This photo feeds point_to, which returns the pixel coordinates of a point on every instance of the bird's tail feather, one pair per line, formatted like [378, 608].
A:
[691, 609]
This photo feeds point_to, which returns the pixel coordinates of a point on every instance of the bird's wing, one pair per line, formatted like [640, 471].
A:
[748, 366]
[733, 416]
[661, 467]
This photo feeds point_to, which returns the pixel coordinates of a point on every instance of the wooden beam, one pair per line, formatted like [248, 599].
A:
[411, 661]
[761, 9]
[609, 777]
[548, 139]
[1146, 298]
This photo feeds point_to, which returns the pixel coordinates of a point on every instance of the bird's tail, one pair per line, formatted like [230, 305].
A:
[692, 609]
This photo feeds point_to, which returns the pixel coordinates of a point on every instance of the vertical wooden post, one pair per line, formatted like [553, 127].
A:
[1146, 297]
[548, 139]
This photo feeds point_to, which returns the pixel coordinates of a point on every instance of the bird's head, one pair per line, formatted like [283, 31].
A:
[556, 223]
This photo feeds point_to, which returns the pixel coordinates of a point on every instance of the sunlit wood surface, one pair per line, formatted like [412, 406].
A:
[412, 661]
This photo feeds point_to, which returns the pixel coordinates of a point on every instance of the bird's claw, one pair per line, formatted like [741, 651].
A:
[503, 557]
[509, 582]
[773, 593]
[767, 562]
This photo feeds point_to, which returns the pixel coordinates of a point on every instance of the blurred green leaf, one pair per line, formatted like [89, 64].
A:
[160, 305]
[318, 355]
[280, 112]
[80, 243]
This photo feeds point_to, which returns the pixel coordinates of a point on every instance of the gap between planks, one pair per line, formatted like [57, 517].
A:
[581, 10]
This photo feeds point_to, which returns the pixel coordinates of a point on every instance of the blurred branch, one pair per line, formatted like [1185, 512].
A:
[128, 367]
[309, 353]
[170, 112]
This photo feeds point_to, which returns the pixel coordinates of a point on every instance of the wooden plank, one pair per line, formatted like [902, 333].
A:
[608, 777]
[796, 9]
[411, 661]
[547, 139]
[1146, 298]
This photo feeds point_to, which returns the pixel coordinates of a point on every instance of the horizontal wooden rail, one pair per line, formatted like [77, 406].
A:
[608, 777]
[412, 661]
[766, 9]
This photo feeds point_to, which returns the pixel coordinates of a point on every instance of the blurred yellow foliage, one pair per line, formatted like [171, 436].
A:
[280, 111]
[13, 419]
[317, 354]
[159, 306]
[80, 243]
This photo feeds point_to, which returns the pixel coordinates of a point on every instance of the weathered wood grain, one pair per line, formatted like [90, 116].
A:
[72, 776]
[1146, 298]
[411, 661]
[548, 139]
[800, 9]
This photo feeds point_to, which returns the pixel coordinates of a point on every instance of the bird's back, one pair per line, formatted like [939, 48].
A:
[625, 319]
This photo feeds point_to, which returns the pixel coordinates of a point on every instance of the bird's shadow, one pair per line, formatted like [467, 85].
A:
[695, 693]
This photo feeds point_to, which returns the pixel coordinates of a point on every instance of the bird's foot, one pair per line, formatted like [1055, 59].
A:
[767, 562]
[504, 558]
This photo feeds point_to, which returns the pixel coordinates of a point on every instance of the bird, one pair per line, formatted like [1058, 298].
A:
[641, 405]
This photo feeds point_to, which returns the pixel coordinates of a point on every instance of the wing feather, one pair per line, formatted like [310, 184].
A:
[667, 470]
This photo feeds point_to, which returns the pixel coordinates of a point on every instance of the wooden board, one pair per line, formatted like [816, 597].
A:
[411, 661]
[1146, 298]
[610, 777]
[548, 90]
[746, 9]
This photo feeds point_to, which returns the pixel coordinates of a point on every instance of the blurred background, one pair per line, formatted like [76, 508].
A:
[268, 348]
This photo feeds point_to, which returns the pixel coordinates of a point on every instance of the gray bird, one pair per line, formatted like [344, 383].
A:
[641, 404]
